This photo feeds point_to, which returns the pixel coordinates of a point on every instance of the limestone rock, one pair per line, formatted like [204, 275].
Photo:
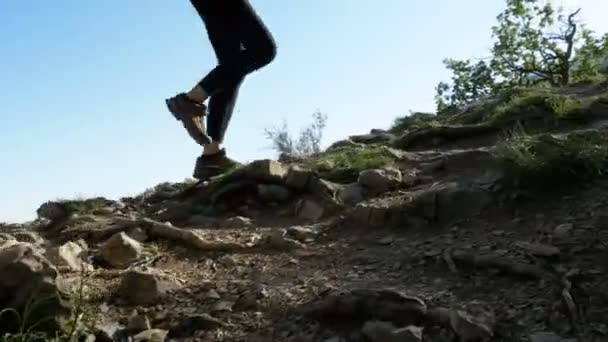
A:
[189, 325]
[25, 275]
[69, 255]
[278, 240]
[265, 170]
[138, 323]
[120, 250]
[152, 335]
[142, 287]
[351, 194]
[53, 211]
[138, 234]
[309, 210]
[273, 193]
[237, 222]
[298, 177]
[301, 233]
[377, 331]
[378, 181]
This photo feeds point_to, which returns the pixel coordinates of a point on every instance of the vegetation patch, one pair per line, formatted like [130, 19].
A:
[546, 160]
[413, 121]
[344, 164]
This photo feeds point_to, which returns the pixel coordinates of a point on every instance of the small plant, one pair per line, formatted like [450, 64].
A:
[307, 143]
[546, 160]
[345, 164]
[81, 317]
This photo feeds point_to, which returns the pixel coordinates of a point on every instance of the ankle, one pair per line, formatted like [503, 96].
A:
[197, 94]
[213, 148]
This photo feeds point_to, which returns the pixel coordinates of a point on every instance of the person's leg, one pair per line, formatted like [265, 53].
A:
[259, 47]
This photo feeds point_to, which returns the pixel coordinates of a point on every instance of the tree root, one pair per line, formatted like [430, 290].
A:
[497, 262]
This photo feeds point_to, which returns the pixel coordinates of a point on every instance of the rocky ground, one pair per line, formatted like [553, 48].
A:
[417, 234]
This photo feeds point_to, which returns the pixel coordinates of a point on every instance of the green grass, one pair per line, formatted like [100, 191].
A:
[538, 104]
[68, 329]
[548, 161]
[343, 165]
[83, 206]
[413, 121]
[522, 105]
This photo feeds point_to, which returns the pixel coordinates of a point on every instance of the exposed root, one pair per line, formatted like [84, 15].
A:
[497, 262]
[447, 257]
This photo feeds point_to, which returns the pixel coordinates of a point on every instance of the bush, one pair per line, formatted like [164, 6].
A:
[546, 160]
[307, 143]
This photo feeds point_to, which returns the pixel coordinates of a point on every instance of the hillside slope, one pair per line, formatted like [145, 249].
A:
[486, 224]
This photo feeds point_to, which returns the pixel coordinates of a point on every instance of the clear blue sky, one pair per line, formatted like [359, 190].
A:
[83, 83]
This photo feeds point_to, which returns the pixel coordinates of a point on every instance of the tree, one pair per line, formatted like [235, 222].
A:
[307, 143]
[533, 43]
[526, 43]
[469, 82]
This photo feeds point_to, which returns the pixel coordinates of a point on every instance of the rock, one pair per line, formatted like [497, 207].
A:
[152, 335]
[26, 275]
[201, 221]
[370, 304]
[298, 177]
[142, 287]
[265, 170]
[372, 138]
[212, 294]
[469, 328]
[138, 323]
[549, 337]
[53, 211]
[346, 143]
[279, 241]
[273, 193]
[222, 306]
[29, 237]
[386, 332]
[387, 240]
[563, 229]
[110, 331]
[138, 234]
[227, 261]
[193, 323]
[301, 234]
[380, 180]
[539, 249]
[351, 194]
[69, 255]
[120, 251]
[309, 210]
[237, 222]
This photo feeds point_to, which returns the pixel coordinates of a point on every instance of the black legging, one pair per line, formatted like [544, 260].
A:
[242, 44]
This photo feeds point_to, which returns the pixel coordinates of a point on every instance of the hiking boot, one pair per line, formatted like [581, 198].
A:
[191, 114]
[208, 166]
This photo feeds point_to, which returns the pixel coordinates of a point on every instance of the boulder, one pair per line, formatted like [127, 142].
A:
[378, 181]
[69, 255]
[120, 251]
[25, 276]
[273, 193]
[309, 210]
[298, 177]
[144, 287]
